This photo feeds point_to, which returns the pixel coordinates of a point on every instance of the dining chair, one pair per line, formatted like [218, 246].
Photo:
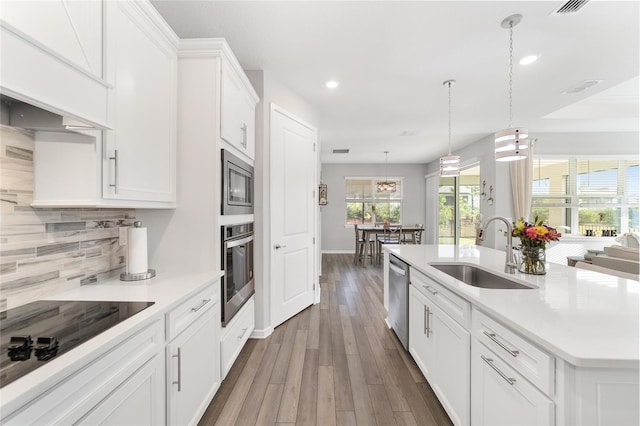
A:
[359, 252]
[390, 235]
[360, 246]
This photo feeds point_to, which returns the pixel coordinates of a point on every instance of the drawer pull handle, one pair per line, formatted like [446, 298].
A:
[492, 336]
[489, 361]
[179, 381]
[244, 331]
[204, 302]
[428, 288]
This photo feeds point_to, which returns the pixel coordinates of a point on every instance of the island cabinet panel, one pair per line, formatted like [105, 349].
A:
[420, 345]
[440, 347]
[530, 361]
[502, 396]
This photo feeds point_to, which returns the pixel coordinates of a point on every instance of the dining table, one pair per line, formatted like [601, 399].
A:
[368, 230]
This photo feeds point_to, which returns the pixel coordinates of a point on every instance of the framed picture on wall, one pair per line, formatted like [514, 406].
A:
[322, 191]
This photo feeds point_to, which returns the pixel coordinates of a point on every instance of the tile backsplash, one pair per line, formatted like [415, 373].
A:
[46, 251]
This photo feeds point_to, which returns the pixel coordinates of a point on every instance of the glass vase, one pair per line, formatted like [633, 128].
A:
[532, 260]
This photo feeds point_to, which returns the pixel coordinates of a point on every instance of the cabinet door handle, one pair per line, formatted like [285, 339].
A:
[244, 135]
[114, 185]
[428, 310]
[179, 381]
[200, 306]
[428, 288]
[492, 336]
[244, 331]
[489, 361]
[425, 320]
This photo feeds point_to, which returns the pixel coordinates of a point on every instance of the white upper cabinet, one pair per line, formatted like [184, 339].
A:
[133, 164]
[237, 111]
[141, 64]
[52, 57]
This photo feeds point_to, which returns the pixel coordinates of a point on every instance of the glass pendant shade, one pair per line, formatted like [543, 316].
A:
[450, 165]
[512, 144]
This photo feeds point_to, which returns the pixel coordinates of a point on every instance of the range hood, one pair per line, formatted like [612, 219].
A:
[25, 116]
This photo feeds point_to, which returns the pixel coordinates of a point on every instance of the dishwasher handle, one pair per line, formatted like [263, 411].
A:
[397, 270]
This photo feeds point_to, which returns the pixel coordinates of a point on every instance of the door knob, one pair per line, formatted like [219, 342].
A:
[278, 246]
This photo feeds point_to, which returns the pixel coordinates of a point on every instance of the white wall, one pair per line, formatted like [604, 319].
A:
[270, 91]
[335, 237]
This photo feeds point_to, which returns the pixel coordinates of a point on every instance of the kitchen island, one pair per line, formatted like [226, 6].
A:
[567, 346]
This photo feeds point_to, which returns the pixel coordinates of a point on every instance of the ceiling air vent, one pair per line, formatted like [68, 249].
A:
[584, 85]
[570, 7]
[341, 151]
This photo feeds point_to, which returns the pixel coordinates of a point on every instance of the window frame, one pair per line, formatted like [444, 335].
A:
[373, 200]
[575, 201]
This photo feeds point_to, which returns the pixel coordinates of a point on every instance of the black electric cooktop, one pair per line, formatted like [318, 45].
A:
[33, 334]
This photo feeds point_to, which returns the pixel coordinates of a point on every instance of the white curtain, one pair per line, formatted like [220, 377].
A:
[521, 182]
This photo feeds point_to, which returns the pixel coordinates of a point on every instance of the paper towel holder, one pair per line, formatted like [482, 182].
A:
[126, 276]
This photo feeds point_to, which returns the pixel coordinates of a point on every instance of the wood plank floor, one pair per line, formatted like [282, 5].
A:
[335, 363]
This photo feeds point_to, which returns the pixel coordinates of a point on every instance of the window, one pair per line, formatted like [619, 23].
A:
[459, 207]
[580, 195]
[366, 206]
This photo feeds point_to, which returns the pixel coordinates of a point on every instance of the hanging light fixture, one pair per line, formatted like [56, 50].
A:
[449, 164]
[386, 186]
[511, 144]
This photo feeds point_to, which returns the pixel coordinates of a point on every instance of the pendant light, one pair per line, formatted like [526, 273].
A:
[386, 186]
[449, 164]
[511, 144]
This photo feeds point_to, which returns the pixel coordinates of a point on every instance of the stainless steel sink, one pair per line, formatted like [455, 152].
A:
[477, 277]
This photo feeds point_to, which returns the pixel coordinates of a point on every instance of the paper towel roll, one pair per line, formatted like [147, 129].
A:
[137, 250]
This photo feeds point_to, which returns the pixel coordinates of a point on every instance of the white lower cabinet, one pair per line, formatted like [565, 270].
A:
[102, 391]
[236, 334]
[193, 358]
[440, 347]
[138, 401]
[420, 345]
[501, 396]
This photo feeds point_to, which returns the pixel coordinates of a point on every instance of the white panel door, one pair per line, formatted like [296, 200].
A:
[293, 183]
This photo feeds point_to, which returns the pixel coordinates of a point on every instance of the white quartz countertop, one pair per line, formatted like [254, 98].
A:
[587, 318]
[166, 290]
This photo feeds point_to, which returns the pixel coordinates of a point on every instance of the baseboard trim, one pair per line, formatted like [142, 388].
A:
[261, 333]
[337, 251]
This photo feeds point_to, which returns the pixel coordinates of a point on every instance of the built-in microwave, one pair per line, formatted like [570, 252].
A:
[237, 185]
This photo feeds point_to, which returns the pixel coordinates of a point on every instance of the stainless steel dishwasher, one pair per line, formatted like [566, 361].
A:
[399, 299]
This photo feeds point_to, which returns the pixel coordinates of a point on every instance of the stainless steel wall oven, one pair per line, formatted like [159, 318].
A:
[237, 185]
[237, 262]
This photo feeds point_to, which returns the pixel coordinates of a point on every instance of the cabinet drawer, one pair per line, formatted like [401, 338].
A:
[452, 304]
[78, 394]
[533, 363]
[235, 335]
[501, 396]
[191, 309]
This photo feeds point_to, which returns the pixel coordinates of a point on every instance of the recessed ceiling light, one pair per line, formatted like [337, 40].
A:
[527, 60]
[331, 84]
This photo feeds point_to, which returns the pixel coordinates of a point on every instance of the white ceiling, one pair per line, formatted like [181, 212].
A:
[391, 58]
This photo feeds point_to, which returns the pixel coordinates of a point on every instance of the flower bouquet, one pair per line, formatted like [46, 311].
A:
[533, 241]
